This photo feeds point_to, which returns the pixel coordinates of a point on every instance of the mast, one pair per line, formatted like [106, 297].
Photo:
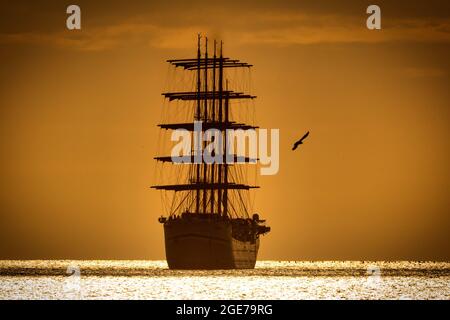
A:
[213, 118]
[225, 165]
[205, 120]
[197, 176]
[212, 107]
[219, 191]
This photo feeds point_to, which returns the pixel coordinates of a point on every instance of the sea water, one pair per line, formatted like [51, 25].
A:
[101, 279]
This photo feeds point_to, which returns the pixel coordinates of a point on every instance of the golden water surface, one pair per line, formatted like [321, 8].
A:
[101, 279]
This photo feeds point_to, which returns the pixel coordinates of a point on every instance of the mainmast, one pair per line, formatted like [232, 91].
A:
[205, 120]
[213, 119]
[219, 191]
[225, 165]
[198, 117]
[212, 108]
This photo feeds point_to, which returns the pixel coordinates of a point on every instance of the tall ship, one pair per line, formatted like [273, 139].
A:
[208, 223]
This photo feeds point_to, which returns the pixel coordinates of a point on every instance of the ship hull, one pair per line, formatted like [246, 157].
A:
[207, 243]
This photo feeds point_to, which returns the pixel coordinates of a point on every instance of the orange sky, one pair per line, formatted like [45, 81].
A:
[79, 111]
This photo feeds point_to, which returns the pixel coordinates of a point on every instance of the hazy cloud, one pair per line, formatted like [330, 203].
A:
[280, 30]
[290, 24]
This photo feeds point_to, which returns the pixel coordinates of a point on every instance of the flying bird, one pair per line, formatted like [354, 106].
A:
[299, 142]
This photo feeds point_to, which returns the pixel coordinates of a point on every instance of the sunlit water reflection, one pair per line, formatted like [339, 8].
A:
[269, 280]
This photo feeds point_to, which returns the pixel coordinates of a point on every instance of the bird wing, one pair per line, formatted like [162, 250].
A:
[304, 137]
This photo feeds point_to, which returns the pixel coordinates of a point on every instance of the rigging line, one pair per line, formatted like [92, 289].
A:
[233, 208]
[208, 202]
[174, 196]
[238, 174]
[240, 204]
[191, 203]
[230, 204]
[181, 202]
[244, 202]
[165, 202]
[162, 201]
[249, 202]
